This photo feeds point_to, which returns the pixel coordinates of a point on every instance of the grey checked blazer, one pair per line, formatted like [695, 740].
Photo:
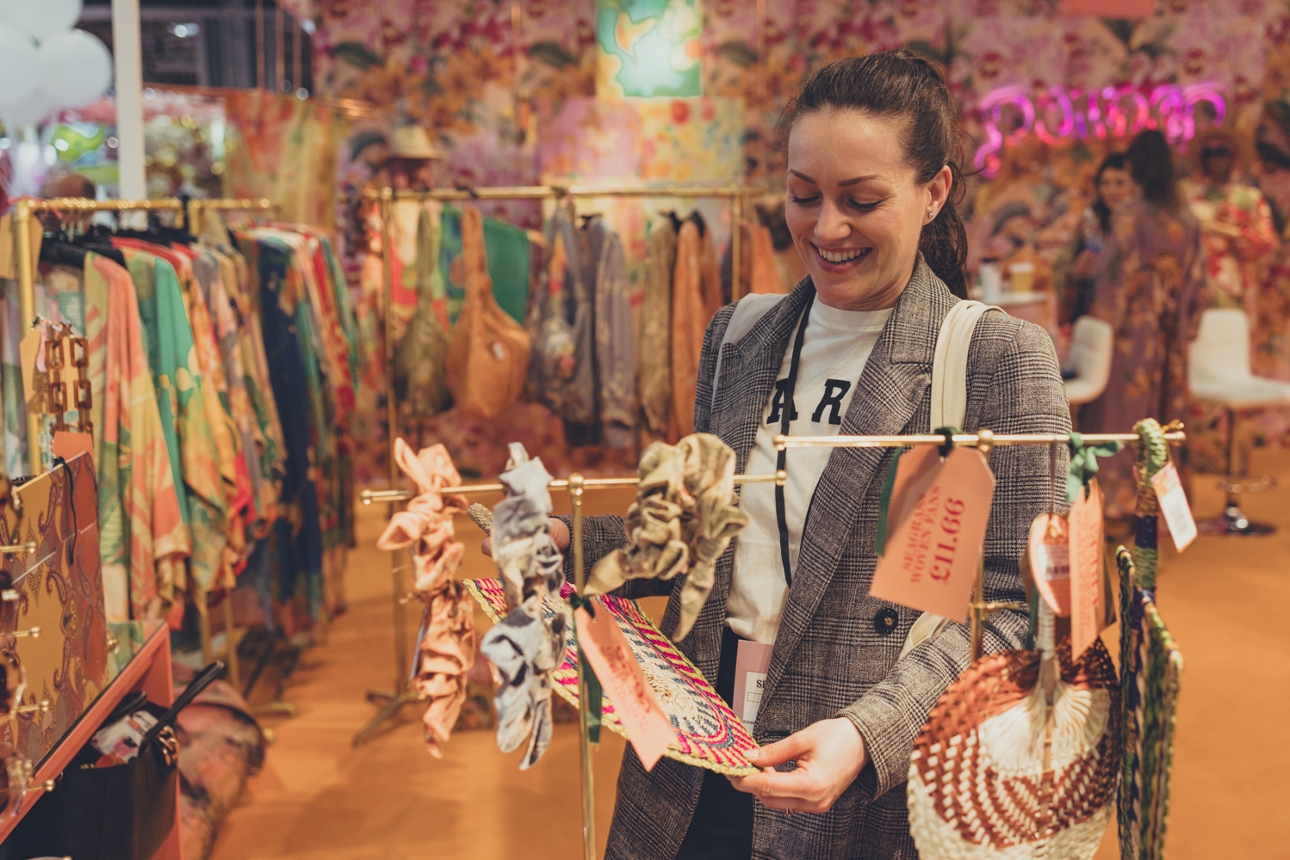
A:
[832, 658]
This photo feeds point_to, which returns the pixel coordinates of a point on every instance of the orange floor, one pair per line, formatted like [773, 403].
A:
[319, 799]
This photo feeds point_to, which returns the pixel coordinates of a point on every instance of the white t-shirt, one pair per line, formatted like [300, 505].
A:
[836, 346]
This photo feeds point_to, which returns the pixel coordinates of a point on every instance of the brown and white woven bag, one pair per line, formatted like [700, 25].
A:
[1020, 757]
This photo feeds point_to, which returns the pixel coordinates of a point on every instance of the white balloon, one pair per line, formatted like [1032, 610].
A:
[29, 112]
[41, 18]
[75, 68]
[19, 69]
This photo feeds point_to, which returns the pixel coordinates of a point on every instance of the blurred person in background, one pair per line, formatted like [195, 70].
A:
[1075, 268]
[1149, 287]
[1235, 220]
[64, 183]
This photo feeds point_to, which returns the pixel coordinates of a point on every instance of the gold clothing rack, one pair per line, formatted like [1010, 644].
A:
[983, 440]
[370, 496]
[401, 695]
[24, 211]
[226, 204]
[576, 485]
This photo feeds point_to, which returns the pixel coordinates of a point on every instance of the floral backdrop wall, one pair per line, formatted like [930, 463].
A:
[528, 92]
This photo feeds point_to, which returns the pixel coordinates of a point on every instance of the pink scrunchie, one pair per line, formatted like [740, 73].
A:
[446, 646]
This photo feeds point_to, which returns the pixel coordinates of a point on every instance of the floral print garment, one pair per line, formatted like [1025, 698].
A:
[177, 377]
[1150, 289]
[1231, 264]
[143, 540]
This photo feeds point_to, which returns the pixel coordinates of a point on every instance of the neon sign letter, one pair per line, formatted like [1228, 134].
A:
[1009, 114]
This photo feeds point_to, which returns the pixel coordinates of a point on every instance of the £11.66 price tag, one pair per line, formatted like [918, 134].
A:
[939, 511]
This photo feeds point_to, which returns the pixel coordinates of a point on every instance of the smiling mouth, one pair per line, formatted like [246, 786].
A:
[844, 256]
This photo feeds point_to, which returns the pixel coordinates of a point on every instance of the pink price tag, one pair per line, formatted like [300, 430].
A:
[647, 727]
[939, 512]
[1086, 569]
[1174, 507]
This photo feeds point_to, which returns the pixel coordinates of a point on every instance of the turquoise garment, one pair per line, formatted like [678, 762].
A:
[507, 247]
[168, 340]
[507, 250]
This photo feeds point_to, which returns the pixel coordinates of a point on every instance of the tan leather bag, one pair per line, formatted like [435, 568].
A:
[488, 357]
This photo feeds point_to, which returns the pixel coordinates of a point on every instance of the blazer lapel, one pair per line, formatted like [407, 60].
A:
[749, 369]
[745, 380]
[891, 390]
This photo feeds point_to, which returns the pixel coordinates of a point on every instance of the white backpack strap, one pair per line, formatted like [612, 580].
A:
[747, 312]
[949, 366]
[949, 408]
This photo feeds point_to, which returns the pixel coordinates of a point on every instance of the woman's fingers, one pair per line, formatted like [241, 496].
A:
[559, 533]
[487, 546]
[788, 749]
[796, 785]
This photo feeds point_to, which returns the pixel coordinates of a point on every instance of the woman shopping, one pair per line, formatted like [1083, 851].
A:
[1075, 269]
[1149, 288]
[873, 182]
[1235, 222]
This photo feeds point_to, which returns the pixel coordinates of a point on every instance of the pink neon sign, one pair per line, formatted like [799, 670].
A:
[1009, 114]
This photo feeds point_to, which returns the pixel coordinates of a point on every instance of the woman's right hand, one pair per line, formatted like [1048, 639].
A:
[559, 535]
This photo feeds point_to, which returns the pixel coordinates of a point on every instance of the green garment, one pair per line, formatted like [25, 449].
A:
[168, 336]
[507, 249]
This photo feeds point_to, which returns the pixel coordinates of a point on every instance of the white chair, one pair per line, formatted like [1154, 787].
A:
[1092, 341]
[1219, 373]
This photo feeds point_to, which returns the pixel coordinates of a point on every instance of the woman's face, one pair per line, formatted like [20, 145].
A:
[855, 206]
[1114, 187]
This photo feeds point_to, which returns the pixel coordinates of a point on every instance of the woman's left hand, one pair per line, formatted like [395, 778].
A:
[830, 754]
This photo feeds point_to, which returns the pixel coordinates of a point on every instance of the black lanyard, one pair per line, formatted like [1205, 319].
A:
[786, 418]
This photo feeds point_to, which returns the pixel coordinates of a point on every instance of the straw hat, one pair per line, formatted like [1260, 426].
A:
[411, 141]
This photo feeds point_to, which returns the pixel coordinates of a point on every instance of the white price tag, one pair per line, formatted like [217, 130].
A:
[1173, 504]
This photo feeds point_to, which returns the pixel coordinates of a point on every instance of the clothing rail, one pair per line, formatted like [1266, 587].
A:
[369, 496]
[66, 207]
[226, 204]
[386, 197]
[734, 193]
[983, 440]
[24, 209]
[576, 485]
[962, 440]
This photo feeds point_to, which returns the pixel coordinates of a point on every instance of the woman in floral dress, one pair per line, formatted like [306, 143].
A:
[1235, 221]
[1149, 288]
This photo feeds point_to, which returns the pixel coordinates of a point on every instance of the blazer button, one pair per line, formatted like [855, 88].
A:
[885, 621]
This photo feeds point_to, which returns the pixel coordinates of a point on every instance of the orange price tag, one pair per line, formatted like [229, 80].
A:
[939, 510]
[1174, 507]
[647, 727]
[1087, 613]
[1050, 561]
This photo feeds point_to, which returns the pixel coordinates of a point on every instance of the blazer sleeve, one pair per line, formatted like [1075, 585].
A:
[602, 535]
[1023, 394]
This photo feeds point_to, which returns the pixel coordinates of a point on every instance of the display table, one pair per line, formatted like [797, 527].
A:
[140, 661]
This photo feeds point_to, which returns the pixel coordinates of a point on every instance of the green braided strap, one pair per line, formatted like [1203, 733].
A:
[1152, 455]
